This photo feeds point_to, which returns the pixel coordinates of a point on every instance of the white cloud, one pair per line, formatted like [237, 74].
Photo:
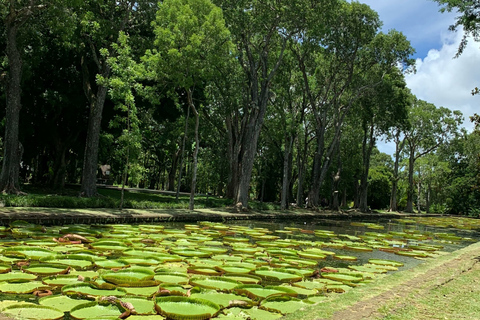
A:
[448, 82]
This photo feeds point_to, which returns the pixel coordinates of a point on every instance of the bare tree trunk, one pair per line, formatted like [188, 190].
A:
[301, 161]
[182, 155]
[286, 172]
[195, 152]
[427, 200]
[367, 147]
[97, 102]
[173, 170]
[9, 177]
[419, 195]
[393, 197]
[410, 191]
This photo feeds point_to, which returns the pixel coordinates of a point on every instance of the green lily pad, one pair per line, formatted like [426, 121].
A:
[46, 269]
[281, 275]
[93, 310]
[27, 251]
[60, 280]
[284, 304]
[90, 290]
[23, 287]
[222, 299]
[257, 292]
[342, 277]
[109, 245]
[185, 252]
[17, 276]
[74, 261]
[184, 308]
[32, 311]
[134, 276]
[60, 302]
[392, 263]
[243, 278]
[216, 283]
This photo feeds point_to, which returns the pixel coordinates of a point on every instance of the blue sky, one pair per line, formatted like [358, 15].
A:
[440, 79]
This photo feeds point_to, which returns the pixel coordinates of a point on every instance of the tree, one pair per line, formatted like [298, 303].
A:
[260, 30]
[429, 128]
[100, 23]
[14, 16]
[334, 64]
[384, 107]
[122, 86]
[191, 39]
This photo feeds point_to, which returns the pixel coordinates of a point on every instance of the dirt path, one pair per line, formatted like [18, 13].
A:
[437, 293]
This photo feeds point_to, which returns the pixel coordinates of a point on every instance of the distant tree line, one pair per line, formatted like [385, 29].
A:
[278, 101]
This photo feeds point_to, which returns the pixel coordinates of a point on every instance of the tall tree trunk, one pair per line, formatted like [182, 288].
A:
[419, 194]
[427, 198]
[182, 155]
[367, 147]
[97, 102]
[410, 190]
[393, 197]
[9, 177]
[59, 167]
[286, 172]
[195, 152]
[301, 161]
[173, 170]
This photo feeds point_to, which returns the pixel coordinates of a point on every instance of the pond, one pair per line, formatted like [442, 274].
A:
[231, 270]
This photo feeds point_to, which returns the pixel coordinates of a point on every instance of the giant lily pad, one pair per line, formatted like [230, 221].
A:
[74, 261]
[257, 292]
[60, 280]
[27, 251]
[134, 276]
[86, 289]
[16, 276]
[184, 308]
[23, 287]
[216, 283]
[46, 269]
[392, 263]
[93, 310]
[281, 275]
[222, 299]
[32, 311]
[60, 302]
[284, 304]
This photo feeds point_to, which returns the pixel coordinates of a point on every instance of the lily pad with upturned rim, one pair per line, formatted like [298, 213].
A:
[46, 269]
[257, 292]
[86, 289]
[61, 302]
[32, 311]
[94, 310]
[216, 283]
[184, 308]
[284, 304]
[23, 287]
